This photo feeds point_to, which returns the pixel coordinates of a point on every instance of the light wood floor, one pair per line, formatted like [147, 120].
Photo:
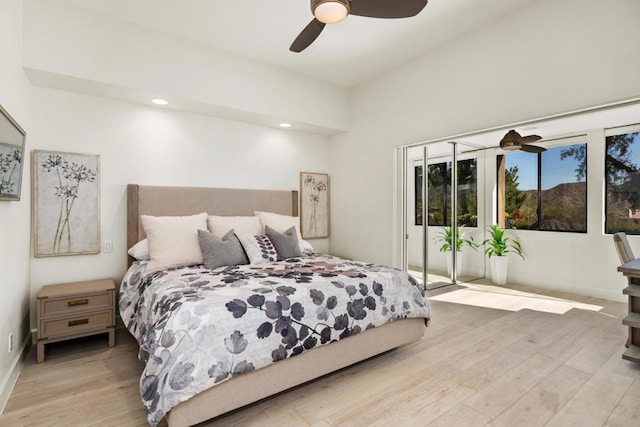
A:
[491, 357]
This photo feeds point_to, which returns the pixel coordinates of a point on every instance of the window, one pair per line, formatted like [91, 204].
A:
[439, 193]
[521, 190]
[545, 191]
[438, 179]
[418, 194]
[622, 169]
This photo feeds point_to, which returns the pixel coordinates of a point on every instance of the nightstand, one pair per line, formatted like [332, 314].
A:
[73, 310]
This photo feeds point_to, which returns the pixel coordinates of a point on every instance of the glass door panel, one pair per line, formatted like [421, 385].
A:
[470, 213]
[414, 211]
[429, 252]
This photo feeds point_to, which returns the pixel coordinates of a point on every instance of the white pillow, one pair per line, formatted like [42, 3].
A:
[280, 223]
[173, 240]
[306, 246]
[219, 226]
[140, 250]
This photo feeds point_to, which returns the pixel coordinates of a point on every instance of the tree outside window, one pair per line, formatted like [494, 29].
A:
[438, 181]
[622, 169]
[514, 197]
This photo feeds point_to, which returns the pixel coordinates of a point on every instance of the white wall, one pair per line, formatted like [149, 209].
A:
[149, 145]
[14, 216]
[552, 56]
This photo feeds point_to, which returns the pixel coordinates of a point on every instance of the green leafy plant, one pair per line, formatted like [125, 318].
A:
[499, 244]
[445, 236]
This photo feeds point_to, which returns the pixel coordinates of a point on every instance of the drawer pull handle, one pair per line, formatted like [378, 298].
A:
[78, 322]
[78, 302]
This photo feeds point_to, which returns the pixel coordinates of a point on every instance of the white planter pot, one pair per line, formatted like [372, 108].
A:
[450, 261]
[499, 267]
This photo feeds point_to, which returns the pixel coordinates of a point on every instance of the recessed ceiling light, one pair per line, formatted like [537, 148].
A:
[285, 125]
[159, 101]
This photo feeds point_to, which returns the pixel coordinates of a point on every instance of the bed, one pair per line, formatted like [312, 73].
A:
[315, 307]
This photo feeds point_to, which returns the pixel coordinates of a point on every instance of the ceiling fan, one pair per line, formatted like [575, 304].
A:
[513, 141]
[334, 11]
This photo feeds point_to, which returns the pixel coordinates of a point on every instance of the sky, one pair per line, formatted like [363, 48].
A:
[555, 170]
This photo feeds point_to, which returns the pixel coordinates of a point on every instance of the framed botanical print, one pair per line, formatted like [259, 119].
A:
[66, 203]
[314, 205]
[12, 140]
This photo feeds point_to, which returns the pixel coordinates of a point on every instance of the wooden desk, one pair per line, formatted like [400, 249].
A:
[631, 271]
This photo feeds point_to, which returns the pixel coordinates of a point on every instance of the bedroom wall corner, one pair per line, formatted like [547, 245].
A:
[15, 215]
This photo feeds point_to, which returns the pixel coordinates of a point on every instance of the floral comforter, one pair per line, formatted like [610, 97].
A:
[198, 327]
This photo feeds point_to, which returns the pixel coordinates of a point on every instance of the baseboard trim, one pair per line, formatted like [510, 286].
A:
[12, 377]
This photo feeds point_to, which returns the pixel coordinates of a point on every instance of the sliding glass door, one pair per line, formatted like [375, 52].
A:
[433, 193]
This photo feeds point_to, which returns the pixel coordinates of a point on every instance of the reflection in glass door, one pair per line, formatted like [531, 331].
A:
[431, 201]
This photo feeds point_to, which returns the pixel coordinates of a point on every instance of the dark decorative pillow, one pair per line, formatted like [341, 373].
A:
[286, 244]
[218, 252]
[259, 248]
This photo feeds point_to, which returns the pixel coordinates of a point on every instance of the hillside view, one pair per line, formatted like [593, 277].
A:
[563, 209]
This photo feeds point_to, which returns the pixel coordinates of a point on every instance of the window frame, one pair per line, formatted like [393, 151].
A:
[581, 139]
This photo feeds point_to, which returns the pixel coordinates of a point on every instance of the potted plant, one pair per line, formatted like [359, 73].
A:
[445, 237]
[496, 248]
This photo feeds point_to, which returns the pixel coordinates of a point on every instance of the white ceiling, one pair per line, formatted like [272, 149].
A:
[345, 54]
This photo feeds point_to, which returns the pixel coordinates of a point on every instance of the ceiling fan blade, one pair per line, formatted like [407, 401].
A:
[387, 8]
[307, 36]
[532, 148]
[530, 138]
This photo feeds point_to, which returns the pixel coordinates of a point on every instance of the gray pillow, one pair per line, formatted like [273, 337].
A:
[286, 243]
[218, 252]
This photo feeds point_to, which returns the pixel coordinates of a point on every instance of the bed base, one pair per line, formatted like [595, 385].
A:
[255, 385]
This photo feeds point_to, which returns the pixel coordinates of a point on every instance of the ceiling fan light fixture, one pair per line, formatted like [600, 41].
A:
[330, 11]
[510, 146]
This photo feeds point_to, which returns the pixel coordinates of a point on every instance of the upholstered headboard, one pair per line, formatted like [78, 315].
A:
[162, 201]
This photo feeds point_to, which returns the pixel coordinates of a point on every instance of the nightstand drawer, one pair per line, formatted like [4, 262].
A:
[68, 305]
[75, 324]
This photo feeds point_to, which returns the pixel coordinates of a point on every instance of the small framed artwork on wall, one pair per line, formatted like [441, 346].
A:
[314, 205]
[12, 140]
[66, 203]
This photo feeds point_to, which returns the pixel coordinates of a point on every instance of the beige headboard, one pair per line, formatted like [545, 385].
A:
[162, 201]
